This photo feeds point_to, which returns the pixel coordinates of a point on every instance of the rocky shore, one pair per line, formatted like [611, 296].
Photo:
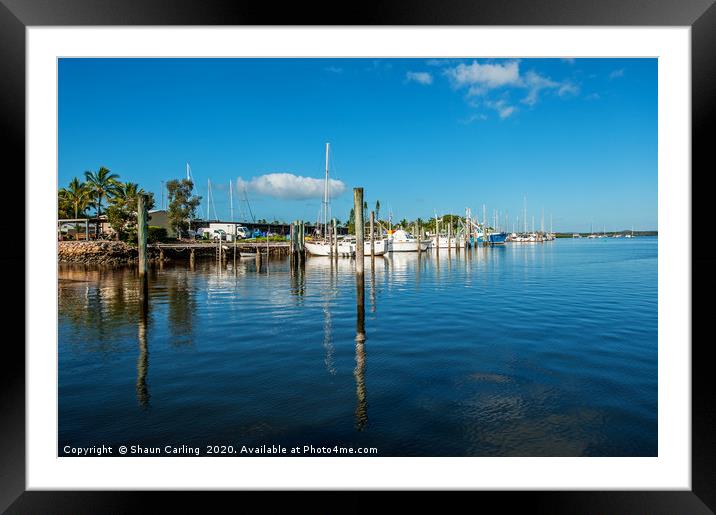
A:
[97, 253]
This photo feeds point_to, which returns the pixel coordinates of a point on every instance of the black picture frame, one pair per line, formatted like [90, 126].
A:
[700, 15]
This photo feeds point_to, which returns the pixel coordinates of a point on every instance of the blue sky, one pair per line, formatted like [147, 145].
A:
[577, 137]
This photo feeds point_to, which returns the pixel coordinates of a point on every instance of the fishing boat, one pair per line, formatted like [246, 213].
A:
[493, 238]
[402, 241]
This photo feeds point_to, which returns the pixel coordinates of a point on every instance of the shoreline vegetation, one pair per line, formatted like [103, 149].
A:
[107, 208]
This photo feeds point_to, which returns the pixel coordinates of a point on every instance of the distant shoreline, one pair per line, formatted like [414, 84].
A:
[609, 234]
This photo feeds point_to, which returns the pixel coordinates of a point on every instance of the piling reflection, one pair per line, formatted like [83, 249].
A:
[372, 286]
[143, 359]
[181, 306]
[361, 414]
[298, 282]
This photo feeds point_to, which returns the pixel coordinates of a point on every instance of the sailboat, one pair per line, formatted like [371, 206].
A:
[323, 245]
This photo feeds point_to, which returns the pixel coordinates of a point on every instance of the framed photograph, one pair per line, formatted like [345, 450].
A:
[438, 250]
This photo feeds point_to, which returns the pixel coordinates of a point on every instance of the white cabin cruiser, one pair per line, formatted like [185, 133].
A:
[401, 241]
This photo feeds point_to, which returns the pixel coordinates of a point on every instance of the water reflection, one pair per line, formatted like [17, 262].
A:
[549, 377]
[298, 282]
[359, 372]
[143, 359]
[329, 295]
[181, 306]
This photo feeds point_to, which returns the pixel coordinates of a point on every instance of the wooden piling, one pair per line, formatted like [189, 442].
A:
[449, 235]
[292, 244]
[372, 235]
[359, 230]
[142, 234]
[335, 240]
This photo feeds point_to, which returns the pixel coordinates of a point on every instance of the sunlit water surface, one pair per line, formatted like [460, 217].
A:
[527, 350]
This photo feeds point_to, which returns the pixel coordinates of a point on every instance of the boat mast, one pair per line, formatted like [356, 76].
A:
[325, 198]
[525, 213]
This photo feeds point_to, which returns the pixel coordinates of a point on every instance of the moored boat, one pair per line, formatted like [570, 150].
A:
[402, 241]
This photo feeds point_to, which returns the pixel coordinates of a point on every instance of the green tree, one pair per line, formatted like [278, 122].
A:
[377, 209]
[351, 221]
[74, 200]
[122, 210]
[101, 184]
[182, 204]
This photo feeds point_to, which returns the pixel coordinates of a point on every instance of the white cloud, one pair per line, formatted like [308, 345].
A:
[485, 76]
[567, 88]
[504, 110]
[482, 81]
[472, 118]
[289, 186]
[536, 83]
[617, 73]
[420, 77]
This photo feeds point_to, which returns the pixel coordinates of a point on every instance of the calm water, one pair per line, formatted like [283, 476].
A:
[527, 350]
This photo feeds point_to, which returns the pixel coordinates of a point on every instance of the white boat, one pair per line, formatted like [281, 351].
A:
[346, 247]
[323, 248]
[443, 242]
[402, 241]
[381, 247]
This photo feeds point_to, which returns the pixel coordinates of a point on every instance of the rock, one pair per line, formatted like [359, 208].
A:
[96, 252]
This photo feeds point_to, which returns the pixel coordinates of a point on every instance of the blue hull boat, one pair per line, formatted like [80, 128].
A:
[493, 238]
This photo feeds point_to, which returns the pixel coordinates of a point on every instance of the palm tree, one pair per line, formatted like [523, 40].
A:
[125, 193]
[122, 212]
[75, 198]
[101, 183]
